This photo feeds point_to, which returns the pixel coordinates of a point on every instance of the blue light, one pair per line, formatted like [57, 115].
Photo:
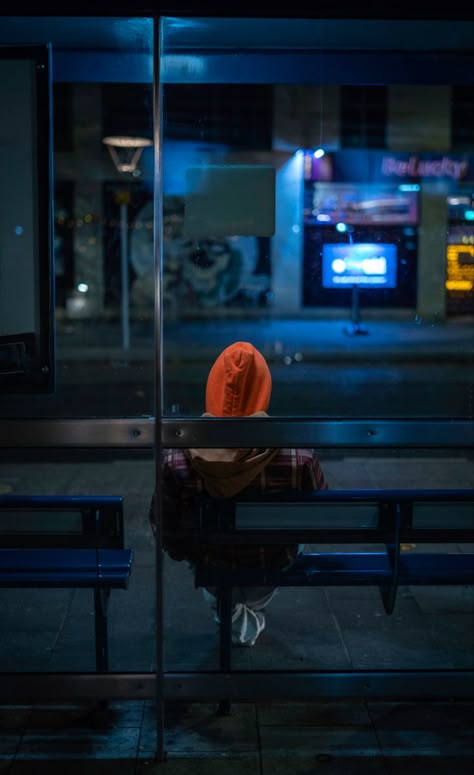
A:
[469, 215]
[341, 227]
[366, 264]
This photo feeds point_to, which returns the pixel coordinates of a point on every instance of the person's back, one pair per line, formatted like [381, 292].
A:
[239, 385]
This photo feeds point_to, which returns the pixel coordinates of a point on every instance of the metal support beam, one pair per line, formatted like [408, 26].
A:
[239, 686]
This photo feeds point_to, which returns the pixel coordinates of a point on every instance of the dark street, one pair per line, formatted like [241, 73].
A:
[399, 369]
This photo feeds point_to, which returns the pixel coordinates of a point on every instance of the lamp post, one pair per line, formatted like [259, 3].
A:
[122, 198]
[125, 153]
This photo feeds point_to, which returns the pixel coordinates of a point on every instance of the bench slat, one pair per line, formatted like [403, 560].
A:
[71, 568]
[351, 568]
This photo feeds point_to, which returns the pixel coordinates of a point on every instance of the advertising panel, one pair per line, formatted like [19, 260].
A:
[367, 265]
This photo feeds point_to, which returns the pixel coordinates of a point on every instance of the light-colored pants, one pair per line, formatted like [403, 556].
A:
[248, 603]
[248, 619]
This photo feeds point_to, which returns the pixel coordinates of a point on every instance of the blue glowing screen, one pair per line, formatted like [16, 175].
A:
[365, 264]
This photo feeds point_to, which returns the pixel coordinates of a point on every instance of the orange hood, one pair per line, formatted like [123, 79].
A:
[239, 383]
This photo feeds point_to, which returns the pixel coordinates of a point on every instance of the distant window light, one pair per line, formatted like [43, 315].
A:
[459, 285]
[458, 200]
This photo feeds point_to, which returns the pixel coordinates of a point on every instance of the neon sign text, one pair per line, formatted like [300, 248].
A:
[424, 168]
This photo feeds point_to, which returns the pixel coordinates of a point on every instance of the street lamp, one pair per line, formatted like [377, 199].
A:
[125, 152]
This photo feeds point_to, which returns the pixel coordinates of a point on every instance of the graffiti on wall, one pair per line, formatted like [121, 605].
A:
[198, 275]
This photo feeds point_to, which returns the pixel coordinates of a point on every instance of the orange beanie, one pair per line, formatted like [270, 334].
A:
[239, 383]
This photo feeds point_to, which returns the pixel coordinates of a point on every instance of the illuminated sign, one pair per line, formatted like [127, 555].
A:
[414, 167]
[379, 166]
[366, 264]
[361, 204]
[460, 270]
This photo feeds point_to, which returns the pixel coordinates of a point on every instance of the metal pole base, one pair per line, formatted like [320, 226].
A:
[355, 329]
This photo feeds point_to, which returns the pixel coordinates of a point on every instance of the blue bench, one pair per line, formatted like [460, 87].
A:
[374, 523]
[66, 541]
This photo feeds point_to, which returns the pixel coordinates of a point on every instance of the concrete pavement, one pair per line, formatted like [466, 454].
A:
[314, 339]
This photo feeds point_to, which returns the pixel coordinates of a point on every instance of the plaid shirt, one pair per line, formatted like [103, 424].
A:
[290, 469]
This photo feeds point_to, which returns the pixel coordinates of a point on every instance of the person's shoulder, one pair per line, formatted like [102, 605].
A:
[175, 459]
[299, 456]
[298, 468]
[286, 466]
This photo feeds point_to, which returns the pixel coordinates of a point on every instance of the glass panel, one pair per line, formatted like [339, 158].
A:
[26, 301]
[19, 521]
[325, 627]
[333, 516]
[429, 515]
[103, 167]
[358, 300]
[104, 290]
[51, 629]
[361, 298]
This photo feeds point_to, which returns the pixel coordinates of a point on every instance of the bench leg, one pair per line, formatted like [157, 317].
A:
[388, 592]
[101, 600]
[224, 608]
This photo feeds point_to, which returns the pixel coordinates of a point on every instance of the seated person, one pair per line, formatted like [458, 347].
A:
[239, 385]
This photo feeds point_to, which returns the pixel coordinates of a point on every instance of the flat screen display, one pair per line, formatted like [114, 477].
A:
[365, 264]
[360, 204]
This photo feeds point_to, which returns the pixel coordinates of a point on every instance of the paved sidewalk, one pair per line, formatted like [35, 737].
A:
[327, 339]
[315, 340]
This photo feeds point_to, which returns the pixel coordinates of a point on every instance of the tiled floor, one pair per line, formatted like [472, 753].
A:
[289, 738]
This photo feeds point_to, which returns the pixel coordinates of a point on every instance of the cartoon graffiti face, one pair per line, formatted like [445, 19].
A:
[205, 262]
[206, 271]
[203, 273]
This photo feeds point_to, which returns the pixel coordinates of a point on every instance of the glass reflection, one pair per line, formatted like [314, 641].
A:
[52, 629]
[362, 296]
[103, 220]
[291, 636]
